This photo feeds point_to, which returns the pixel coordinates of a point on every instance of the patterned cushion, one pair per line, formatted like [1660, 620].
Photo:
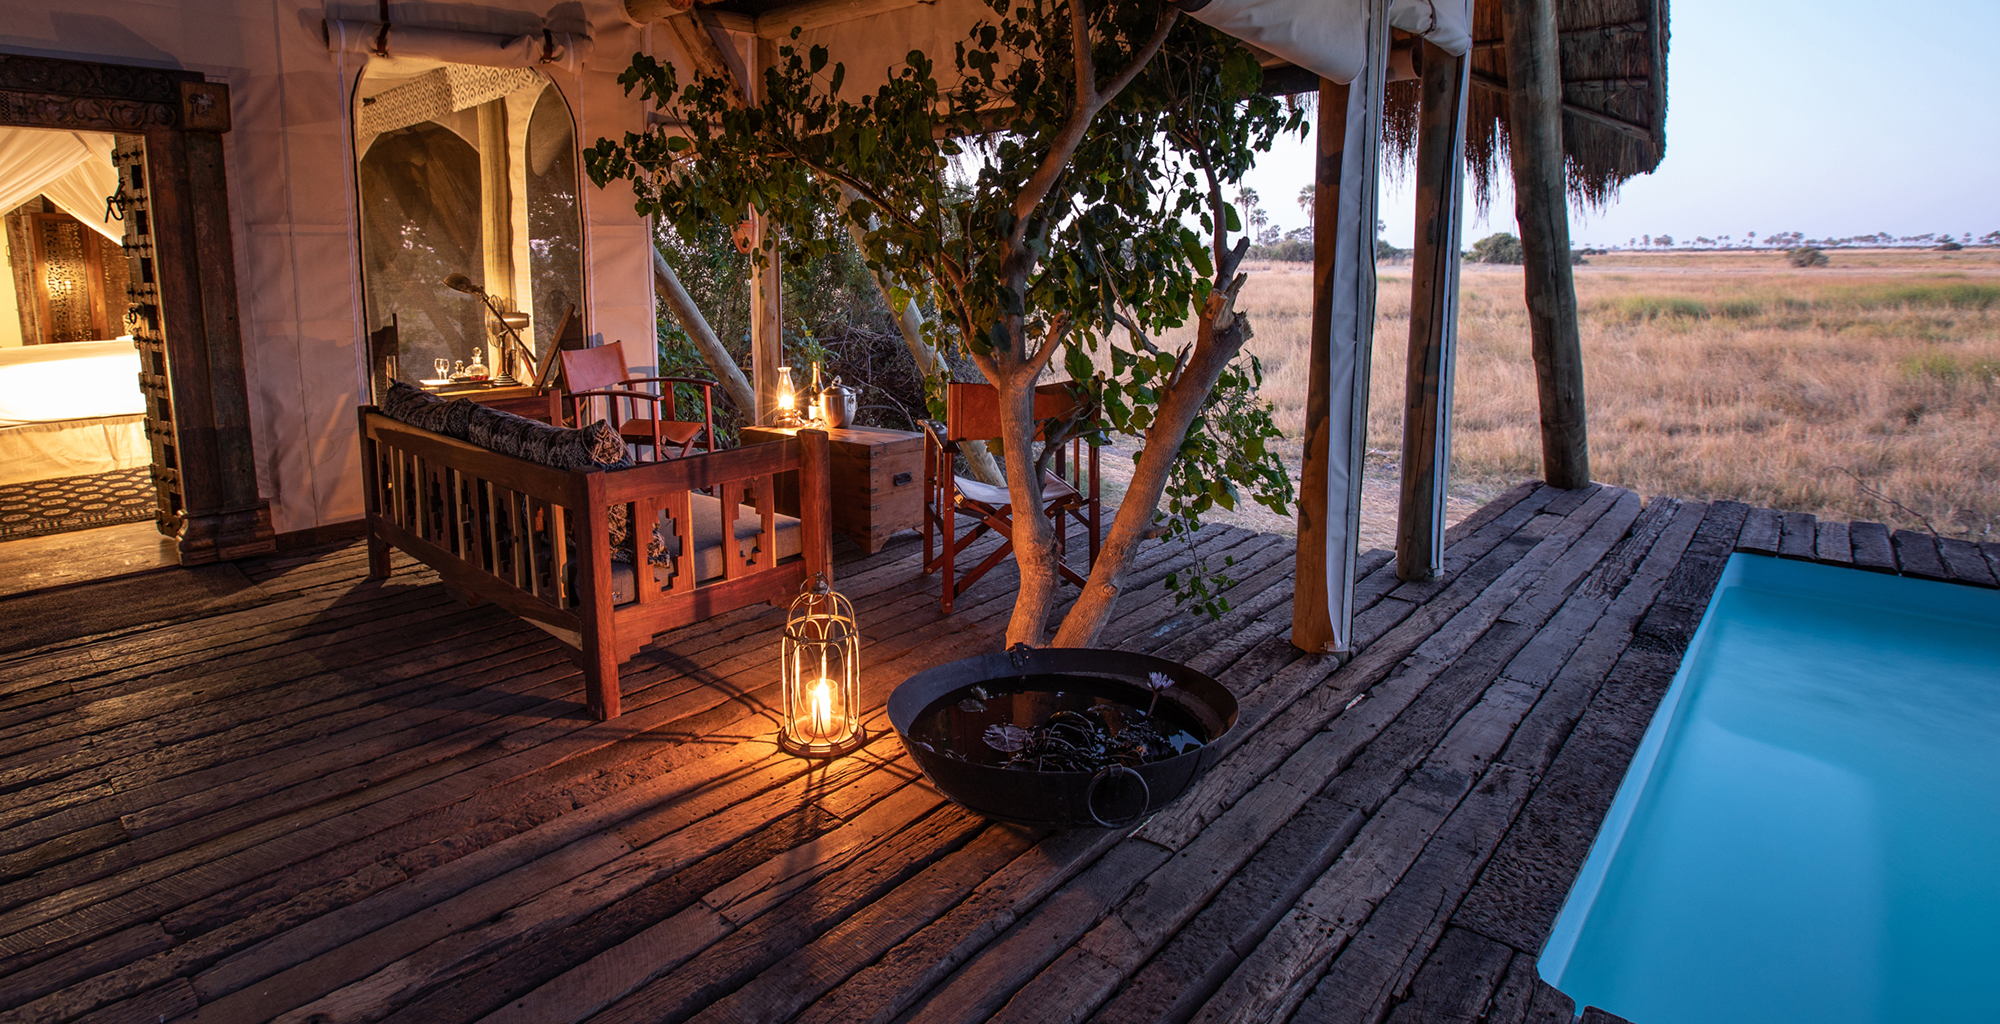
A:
[404, 399]
[596, 446]
[426, 411]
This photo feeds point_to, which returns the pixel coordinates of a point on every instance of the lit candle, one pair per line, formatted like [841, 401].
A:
[820, 697]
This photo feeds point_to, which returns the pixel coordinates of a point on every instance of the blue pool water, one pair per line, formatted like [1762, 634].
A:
[1810, 830]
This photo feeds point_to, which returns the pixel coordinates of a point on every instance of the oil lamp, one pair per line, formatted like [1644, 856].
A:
[819, 664]
[788, 402]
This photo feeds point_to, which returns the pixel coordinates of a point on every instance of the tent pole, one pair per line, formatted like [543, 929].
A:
[767, 350]
[1343, 333]
[1433, 315]
[1541, 208]
[1312, 623]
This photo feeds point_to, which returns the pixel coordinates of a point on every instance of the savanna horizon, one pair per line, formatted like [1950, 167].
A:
[1869, 389]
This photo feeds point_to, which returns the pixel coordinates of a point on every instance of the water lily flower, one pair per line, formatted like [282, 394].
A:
[1008, 739]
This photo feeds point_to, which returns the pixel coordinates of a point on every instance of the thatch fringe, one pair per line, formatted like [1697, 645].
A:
[1614, 64]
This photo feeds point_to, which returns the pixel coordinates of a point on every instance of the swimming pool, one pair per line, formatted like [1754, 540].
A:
[1810, 829]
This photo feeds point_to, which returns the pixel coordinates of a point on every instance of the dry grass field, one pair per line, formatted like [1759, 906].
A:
[1845, 391]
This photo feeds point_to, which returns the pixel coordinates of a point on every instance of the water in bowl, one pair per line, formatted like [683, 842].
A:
[1056, 723]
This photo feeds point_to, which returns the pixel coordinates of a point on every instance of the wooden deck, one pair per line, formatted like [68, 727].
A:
[291, 793]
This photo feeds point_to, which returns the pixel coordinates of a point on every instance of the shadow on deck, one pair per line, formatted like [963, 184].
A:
[329, 799]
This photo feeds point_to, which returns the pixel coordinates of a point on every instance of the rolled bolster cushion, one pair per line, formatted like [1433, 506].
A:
[596, 446]
[402, 401]
[421, 409]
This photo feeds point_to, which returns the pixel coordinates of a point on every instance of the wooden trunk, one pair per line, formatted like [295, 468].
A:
[877, 481]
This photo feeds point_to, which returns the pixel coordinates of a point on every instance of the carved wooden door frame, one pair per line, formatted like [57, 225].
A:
[183, 283]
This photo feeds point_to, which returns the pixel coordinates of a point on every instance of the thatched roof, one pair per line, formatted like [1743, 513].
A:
[1614, 64]
[1614, 68]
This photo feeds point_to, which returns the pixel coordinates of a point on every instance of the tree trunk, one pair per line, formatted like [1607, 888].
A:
[1033, 534]
[734, 384]
[1221, 335]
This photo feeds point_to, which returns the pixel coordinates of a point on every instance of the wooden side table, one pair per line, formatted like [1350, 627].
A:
[521, 399]
[878, 485]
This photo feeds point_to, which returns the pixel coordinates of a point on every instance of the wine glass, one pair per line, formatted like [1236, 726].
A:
[443, 367]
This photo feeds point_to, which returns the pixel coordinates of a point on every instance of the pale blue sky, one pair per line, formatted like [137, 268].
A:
[1829, 118]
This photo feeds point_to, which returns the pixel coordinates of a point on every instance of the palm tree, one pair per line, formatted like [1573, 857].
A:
[1306, 203]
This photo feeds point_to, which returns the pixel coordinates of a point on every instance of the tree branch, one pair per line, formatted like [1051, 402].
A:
[1071, 136]
[1058, 330]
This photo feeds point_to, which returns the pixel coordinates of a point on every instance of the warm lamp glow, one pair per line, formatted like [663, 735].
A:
[820, 697]
[787, 398]
[819, 661]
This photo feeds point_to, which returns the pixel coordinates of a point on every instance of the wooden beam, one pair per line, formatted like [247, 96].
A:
[1433, 315]
[698, 45]
[1610, 31]
[655, 10]
[496, 223]
[1644, 134]
[1541, 209]
[778, 22]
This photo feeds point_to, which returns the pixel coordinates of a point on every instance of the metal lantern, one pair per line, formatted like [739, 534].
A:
[820, 662]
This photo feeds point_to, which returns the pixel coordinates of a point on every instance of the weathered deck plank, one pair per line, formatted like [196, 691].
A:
[359, 800]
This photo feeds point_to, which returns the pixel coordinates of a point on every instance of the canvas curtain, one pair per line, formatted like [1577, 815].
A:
[453, 46]
[1331, 38]
[73, 169]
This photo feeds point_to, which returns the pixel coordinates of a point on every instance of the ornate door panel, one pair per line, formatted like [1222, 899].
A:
[145, 323]
[183, 283]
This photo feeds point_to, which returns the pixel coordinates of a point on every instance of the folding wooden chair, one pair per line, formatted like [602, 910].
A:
[1069, 487]
[600, 372]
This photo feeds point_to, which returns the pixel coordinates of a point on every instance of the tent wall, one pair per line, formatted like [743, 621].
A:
[289, 162]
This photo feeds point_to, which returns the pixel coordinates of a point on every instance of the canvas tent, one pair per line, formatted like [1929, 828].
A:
[251, 110]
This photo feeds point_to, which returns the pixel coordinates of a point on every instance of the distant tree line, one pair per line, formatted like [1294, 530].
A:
[1790, 240]
[1269, 242]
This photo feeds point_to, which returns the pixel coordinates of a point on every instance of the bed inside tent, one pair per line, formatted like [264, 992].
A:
[70, 403]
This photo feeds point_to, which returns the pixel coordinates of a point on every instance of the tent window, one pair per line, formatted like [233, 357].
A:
[465, 170]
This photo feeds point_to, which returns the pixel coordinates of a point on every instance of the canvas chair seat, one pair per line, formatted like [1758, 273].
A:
[674, 432]
[1054, 489]
[1069, 492]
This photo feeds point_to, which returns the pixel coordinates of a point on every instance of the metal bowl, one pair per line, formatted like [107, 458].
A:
[1115, 797]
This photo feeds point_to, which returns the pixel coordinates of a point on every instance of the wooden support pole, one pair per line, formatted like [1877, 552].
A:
[1433, 315]
[767, 350]
[816, 503]
[1312, 622]
[1541, 208]
[496, 222]
[1343, 331]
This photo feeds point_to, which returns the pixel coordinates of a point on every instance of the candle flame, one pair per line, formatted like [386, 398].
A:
[820, 700]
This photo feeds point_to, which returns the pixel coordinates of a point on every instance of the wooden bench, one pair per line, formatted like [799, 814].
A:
[537, 541]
